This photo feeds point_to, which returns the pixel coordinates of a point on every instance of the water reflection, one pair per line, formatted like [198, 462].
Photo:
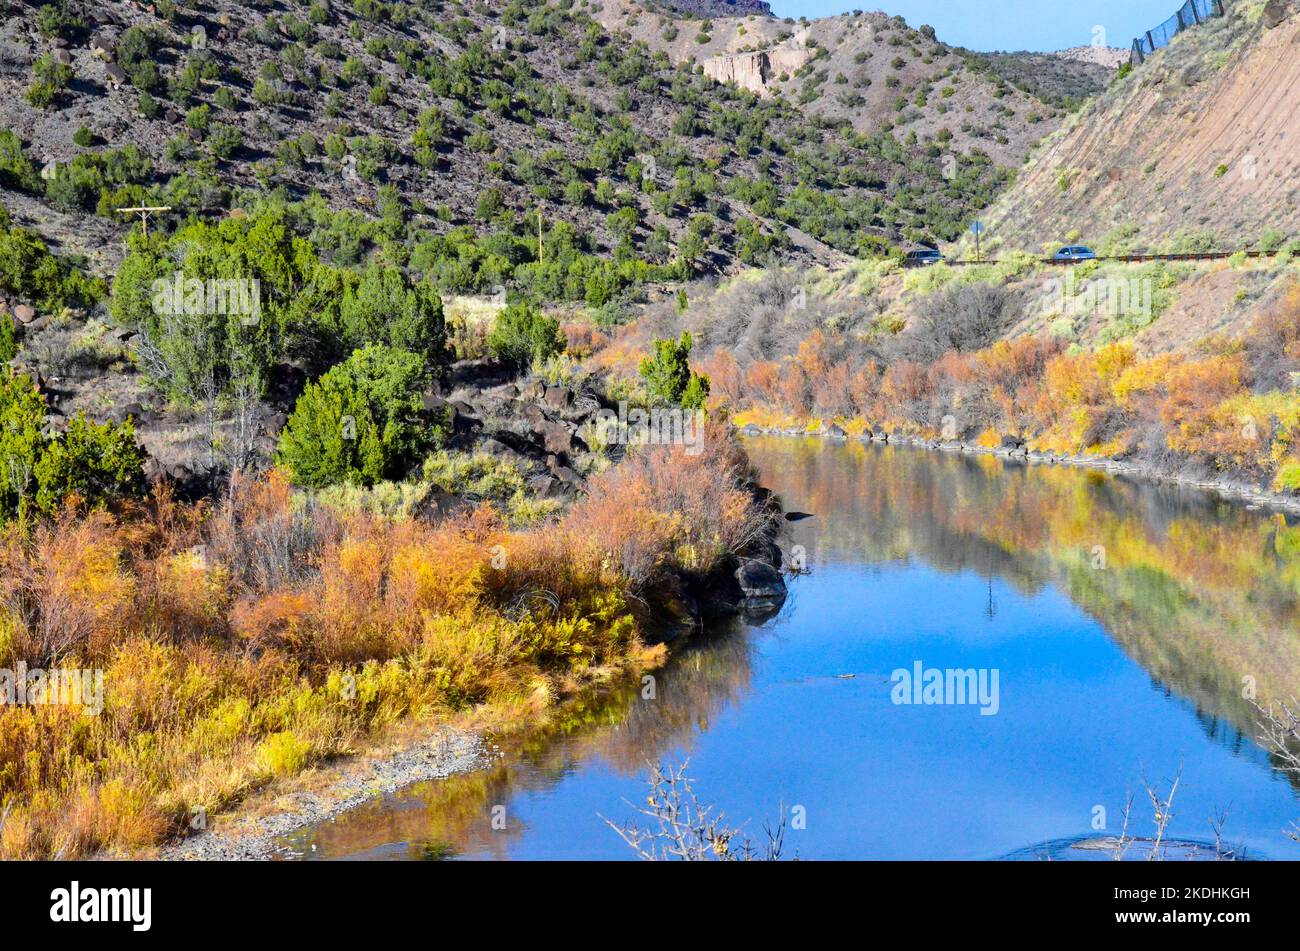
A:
[1201, 591]
[636, 724]
[1130, 622]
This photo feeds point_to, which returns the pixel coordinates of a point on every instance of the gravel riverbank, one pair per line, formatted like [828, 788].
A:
[253, 838]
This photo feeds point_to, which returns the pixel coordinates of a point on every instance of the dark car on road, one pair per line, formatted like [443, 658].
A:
[1075, 253]
[925, 257]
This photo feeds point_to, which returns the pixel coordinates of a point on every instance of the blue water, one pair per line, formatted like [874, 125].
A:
[772, 723]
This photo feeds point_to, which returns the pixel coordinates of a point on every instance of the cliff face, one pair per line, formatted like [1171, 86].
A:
[747, 70]
[754, 70]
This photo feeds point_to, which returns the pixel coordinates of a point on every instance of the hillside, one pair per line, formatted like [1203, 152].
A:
[714, 8]
[407, 122]
[1194, 150]
[877, 74]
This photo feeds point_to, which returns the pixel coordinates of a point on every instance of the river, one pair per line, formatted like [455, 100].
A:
[1117, 628]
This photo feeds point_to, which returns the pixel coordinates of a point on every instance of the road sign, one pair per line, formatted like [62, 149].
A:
[977, 228]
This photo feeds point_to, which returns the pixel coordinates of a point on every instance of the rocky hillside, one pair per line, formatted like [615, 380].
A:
[714, 8]
[877, 74]
[1193, 150]
[401, 124]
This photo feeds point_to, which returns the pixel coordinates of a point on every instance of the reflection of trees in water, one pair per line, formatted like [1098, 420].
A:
[453, 816]
[1197, 589]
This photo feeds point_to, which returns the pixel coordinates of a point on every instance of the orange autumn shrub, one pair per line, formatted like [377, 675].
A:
[664, 507]
[1013, 371]
[724, 375]
[1196, 412]
[762, 380]
[863, 388]
[1076, 408]
[63, 589]
[793, 388]
[582, 339]
[832, 391]
[252, 641]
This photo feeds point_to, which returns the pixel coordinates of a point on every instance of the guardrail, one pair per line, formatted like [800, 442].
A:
[1121, 258]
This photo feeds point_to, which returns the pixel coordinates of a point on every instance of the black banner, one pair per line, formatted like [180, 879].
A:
[143, 902]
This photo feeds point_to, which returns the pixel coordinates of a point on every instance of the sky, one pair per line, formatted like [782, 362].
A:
[987, 25]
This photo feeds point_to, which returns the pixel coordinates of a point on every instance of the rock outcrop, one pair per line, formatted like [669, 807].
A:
[755, 70]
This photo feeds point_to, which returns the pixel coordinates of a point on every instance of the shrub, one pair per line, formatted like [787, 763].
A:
[664, 508]
[283, 300]
[8, 338]
[94, 462]
[476, 476]
[961, 318]
[283, 754]
[17, 171]
[22, 413]
[86, 181]
[363, 422]
[384, 307]
[524, 336]
[224, 140]
[28, 269]
[49, 80]
[668, 376]
[696, 393]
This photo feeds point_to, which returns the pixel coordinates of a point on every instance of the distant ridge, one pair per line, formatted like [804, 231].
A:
[716, 8]
[1107, 56]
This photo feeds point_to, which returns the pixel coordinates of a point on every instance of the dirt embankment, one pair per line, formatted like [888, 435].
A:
[1198, 145]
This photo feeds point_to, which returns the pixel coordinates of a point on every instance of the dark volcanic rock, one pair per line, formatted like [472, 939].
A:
[760, 582]
[439, 505]
[285, 384]
[559, 397]
[556, 436]
[496, 445]
[547, 487]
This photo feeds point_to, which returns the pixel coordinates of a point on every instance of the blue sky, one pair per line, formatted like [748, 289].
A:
[1007, 24]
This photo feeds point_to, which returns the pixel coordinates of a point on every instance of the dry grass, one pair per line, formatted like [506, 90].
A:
[254, 640]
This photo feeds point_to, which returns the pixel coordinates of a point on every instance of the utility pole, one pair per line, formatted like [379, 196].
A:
[144, 211]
